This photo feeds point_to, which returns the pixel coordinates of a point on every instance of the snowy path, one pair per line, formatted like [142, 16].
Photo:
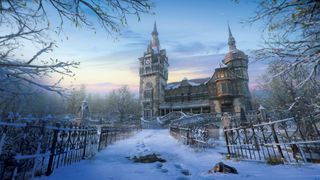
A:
[112, 163]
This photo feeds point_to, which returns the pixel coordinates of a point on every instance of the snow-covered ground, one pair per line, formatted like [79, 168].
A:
[112, 163]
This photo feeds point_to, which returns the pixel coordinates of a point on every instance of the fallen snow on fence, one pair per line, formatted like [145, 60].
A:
[112, 163]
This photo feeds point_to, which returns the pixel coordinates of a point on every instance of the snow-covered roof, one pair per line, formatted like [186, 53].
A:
[191, 82]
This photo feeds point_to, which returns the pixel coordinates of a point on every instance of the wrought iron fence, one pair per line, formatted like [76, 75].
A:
[29, 150]
[283, 141]
[193, 136]
[108, 135]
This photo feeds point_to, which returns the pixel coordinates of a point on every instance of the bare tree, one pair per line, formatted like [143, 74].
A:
[281, 93]
[293, 34]
[292, 38]
[75, 99]
[123, 102]
[26, 23]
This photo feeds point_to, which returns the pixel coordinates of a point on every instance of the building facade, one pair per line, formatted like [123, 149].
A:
[225, 91]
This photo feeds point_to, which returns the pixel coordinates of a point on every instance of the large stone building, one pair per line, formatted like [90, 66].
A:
[225, 91]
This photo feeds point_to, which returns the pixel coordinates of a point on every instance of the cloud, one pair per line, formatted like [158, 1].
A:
[210, 61]
[190, 47]
[194, 48]
[129, 34]
[134, 39]
[107, 87]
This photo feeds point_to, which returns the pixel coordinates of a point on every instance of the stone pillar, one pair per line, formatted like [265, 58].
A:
[237, 105]
[243, 118]
[225, 124]
[217, 106]
[263, 115]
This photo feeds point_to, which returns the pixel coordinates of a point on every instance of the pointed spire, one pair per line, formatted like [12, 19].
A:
[155, 44]
[230, 34]
[231, 40]
[155, 32]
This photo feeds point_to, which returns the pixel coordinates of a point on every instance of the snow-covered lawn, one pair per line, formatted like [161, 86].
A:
[112, 163]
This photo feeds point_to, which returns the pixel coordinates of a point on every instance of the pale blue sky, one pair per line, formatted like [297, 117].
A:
[194, 33]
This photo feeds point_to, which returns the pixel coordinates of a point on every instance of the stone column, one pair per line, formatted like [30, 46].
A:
[217, 106]
[237, 105]
[262, 112]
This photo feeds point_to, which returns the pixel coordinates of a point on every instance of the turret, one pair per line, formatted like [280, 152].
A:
[237, 63]
[234, 54]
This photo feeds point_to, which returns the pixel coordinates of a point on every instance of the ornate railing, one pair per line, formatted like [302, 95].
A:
[197, 130]
[28, 150]
[283, 141]
[108, 135]
[195, 136]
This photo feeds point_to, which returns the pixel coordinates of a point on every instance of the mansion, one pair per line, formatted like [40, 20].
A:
[225, 91]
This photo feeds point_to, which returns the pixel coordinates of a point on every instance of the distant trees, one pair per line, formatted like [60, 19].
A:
[41, 104]
[123, 102]
[74, 100]
[120, 105]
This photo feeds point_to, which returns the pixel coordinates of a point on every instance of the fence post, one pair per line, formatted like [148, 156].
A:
[227, 141]
[276, 140]
[314, 124]
[188, 136]
[100, 139]
[85, 143]
[52, 150]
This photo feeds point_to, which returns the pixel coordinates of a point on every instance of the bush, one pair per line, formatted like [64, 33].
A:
[275, 161]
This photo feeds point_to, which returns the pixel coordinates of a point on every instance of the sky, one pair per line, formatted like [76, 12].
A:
[193, 32]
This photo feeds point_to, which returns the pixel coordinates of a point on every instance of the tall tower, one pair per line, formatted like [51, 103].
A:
[237, 62]
[153, 77]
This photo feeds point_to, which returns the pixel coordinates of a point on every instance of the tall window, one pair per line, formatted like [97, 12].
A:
[219, 88]
[148, 69]
[147, 94]
[224, 87]
[147, 113]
